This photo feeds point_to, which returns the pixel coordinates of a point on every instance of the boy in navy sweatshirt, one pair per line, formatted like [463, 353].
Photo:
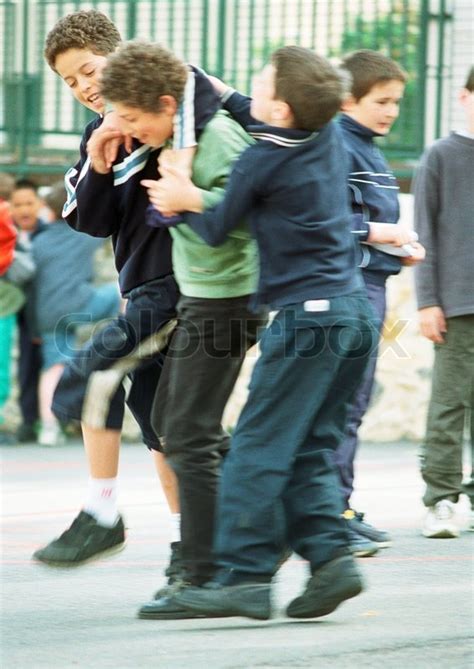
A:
[368, 112]
[105, 199]
[279, 484]
[371, 108]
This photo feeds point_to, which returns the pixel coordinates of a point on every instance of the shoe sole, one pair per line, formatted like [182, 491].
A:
[183, 615]
[109, 552]
[369, 552]
[301, 609]
[441, 534]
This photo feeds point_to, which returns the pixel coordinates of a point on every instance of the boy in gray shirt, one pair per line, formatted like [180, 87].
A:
[444, 206]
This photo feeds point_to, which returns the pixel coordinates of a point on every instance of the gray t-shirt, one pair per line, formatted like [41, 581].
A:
[64, 272]
[444, 221]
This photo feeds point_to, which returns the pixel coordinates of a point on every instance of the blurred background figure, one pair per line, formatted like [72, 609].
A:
[25, 207]
[63, 297]
[11, 297]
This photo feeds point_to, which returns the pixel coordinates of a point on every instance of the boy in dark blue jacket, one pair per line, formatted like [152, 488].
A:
[279, 484]
[105, 199]
[368, 112]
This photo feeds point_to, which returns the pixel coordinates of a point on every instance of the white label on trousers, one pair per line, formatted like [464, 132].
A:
[317, 305]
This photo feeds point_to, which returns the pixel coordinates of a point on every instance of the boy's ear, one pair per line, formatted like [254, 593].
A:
[348, 103]
[168, 105]
[282, 111]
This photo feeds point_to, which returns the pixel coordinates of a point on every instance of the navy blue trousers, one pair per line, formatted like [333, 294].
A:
[279, 484]
[346, 452]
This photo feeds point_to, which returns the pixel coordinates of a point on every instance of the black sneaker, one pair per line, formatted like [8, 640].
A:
[26, 433]
[329, 586]
[357, 523]
[214, 600]
[174, 572]
[84, 541]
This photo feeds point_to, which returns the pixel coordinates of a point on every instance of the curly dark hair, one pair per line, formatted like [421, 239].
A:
[81, 30]
[139, 73]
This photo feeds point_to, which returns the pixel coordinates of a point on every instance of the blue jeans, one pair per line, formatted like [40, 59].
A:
[346, 451]
[279, 483]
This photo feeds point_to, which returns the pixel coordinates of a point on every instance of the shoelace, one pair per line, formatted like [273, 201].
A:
[443, 511]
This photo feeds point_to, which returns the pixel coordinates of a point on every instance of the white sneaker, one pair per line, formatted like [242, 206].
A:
[470, 526]
[50, 434]
[440, 521]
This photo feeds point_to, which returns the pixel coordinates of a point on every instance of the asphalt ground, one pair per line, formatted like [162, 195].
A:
[417, 611]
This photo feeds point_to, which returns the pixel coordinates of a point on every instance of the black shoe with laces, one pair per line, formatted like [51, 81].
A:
[359, 525]
[215, 600]
[84, 541]
[329, 586]
[174, 572]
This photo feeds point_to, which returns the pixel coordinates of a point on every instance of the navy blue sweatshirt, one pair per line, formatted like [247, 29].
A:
[292, 187]
[114, 204]
[372, 185]
[374, 197]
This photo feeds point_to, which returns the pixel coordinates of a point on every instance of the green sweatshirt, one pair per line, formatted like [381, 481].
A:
[229, 270]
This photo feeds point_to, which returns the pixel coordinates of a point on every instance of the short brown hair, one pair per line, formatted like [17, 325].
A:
[140, 73]
[469, 85]
[81, 30]
[7, 183]
[369, 68]
[56, 198]
[309, 84]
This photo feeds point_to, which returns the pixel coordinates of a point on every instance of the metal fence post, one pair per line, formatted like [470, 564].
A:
[22, 93]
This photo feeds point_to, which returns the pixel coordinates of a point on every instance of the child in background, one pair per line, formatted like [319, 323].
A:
[11, 297]
[444, 207]
[25, 206]
[62, 297]
[368, 112]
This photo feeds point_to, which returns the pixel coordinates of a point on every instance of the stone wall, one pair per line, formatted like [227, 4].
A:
[400, 399]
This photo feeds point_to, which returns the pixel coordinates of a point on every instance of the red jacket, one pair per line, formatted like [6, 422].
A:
[7, 237]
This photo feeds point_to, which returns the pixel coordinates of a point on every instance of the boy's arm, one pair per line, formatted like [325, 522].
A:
[426, 189]
[91, 199]
[238, 106]
[209, 220]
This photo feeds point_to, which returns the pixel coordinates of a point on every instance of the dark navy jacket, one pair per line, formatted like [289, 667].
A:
[292, 188]
[374, 197]
[114, 204]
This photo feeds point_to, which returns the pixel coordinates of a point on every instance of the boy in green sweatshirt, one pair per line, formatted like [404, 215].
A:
[216, 326]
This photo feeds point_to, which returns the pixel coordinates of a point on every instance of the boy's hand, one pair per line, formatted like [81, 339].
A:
[387, 233]
[175, 192]
[219, 86]
[97, 148]
[417, 254]
[104, 143]
[433, 324]
[182, 159]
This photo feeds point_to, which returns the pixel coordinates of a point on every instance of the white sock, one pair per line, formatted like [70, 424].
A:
[101, 501]
[175, 527]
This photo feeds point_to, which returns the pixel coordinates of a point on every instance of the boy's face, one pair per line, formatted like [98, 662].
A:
[466, 98]
[263, 95]
[379, 108]
[24, 208]
[81, 70]
[149, 128]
